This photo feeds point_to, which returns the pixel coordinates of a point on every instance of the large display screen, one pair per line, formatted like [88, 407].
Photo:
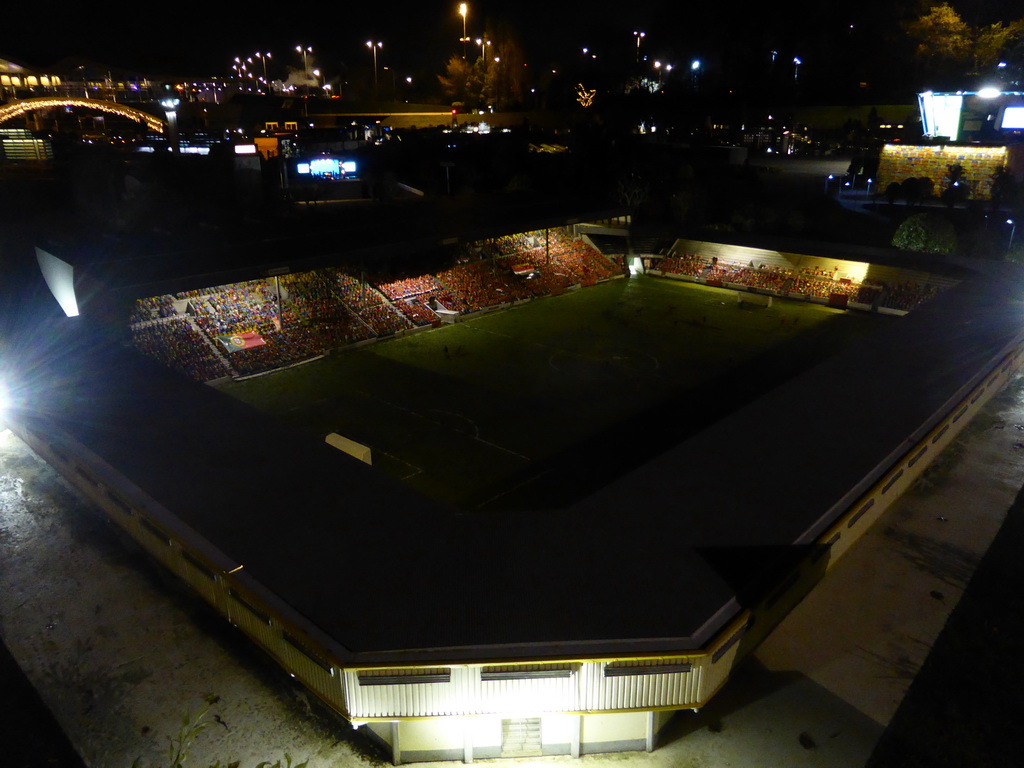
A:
[1013, 119]
[328, 168]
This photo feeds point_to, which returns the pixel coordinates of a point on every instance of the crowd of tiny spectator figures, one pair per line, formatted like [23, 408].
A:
[303, 315]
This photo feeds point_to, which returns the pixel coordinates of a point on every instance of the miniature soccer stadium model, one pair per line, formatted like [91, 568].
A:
[534, 499]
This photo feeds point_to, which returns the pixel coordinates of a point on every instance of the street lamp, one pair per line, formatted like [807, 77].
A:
[463, 11]
[483, 47]
[694, 71]
[1013, 229]
[796, 68]
[263, 57]
[304, 51]
[373, 47]
[639, 36]
[170, 106]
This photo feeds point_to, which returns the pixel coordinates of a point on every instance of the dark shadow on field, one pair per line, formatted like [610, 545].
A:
[601, 458]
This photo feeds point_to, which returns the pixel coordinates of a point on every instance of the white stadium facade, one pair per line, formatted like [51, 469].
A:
[582, 630]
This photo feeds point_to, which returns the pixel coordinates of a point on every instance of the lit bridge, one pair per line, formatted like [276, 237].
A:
[20, 107]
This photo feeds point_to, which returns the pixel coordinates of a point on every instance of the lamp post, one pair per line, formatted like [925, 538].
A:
[263, 57]
[694, 71]
[304, 51]
[170, 106]
[483, 47]
[394, 86]
[796, 68]
[463, 12]
[373, 47]
[1013, 229]
[639, 36]
[241, 72]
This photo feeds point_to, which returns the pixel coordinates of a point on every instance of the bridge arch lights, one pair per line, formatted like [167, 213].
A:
[23, 106]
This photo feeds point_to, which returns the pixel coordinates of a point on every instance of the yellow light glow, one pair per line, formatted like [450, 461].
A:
[899, 161]
[18, 108]
[463, 10]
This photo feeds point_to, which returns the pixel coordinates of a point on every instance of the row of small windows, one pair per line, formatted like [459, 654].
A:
[520, 672]
[29, 80]
[924, 449]
[935, 438]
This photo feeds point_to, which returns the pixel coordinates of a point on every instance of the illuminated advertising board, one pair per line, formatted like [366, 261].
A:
[327, 168]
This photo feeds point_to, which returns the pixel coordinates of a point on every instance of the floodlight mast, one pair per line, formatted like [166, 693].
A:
[463, 12]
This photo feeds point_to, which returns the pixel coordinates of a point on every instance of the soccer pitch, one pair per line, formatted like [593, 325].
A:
[537, 405]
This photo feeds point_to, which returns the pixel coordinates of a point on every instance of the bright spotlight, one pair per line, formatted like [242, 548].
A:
[60, 278]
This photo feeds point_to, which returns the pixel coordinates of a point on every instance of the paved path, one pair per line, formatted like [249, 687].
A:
[119, 651]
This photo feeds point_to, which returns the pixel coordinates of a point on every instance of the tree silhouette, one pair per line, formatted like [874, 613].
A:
[950, 46]
[911, 191]
[1004, 188]
[462, 82]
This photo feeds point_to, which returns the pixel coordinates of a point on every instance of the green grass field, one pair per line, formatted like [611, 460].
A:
[539, 404]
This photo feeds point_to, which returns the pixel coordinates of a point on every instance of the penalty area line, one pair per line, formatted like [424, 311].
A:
[425, 417]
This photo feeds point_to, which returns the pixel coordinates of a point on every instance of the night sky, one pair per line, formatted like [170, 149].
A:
[201, 38]
[206, 36]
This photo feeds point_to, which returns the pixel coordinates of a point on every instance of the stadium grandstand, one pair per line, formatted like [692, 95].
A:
[446, 635]
[261, 325]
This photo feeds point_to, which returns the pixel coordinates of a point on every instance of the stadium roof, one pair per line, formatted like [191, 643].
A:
[655, 562]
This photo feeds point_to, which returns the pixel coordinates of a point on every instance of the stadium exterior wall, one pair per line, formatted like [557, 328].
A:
[608, 695]
[485, 737]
